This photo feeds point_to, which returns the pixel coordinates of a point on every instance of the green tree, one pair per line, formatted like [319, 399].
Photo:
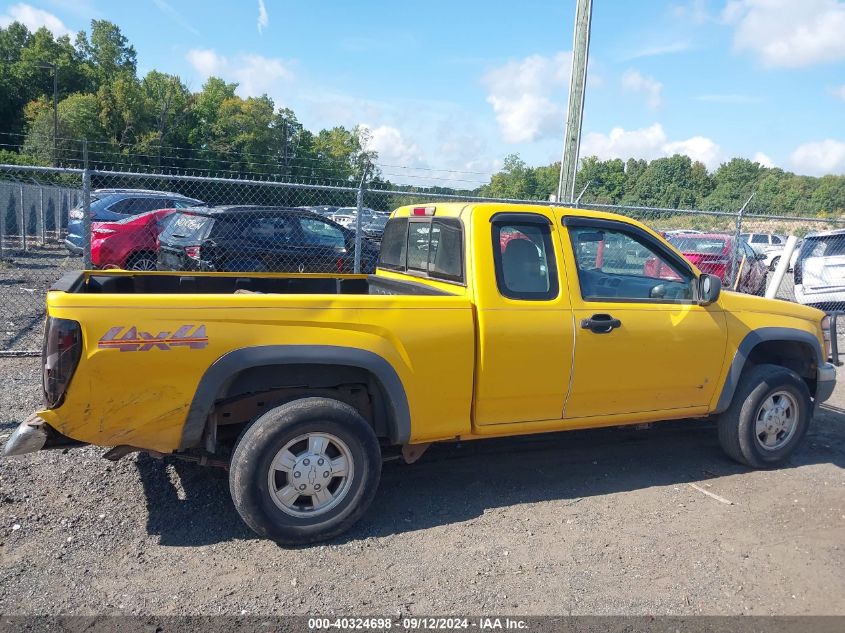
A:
[79, 118]
[107, 52]
[606, 180]
[734, 182]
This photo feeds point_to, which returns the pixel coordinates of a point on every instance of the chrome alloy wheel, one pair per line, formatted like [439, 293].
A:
[776, 421]
[310, 475]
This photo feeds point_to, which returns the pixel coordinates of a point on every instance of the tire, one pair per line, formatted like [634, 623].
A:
[738, 425]
[142, 261]
[258, 463]
[774, 263]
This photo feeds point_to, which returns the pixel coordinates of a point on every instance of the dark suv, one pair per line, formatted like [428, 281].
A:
[112, 205]
[260, 239]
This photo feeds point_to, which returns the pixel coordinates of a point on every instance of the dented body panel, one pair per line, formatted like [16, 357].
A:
[469, 361]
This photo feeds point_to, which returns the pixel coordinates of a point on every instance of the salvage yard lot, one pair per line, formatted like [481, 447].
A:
[598, 521]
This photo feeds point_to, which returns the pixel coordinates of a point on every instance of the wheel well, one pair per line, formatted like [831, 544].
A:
[252, 391]
[795, 355]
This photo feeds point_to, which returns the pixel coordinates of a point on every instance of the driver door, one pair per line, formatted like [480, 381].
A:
[642, 341]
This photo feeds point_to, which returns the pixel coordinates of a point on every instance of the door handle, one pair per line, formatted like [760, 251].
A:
[600, 324]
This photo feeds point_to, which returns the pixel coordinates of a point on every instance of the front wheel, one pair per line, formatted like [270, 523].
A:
[768, 417]
[305, 471]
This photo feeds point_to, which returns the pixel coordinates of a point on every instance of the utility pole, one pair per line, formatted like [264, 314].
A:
[575, 109]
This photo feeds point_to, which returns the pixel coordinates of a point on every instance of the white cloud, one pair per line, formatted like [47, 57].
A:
[763, 159]
[255, 74]
[263, 17]
[820, 158]
[526, 96]
[649, 86]
[33, 19]
[660, 49]
[839, 92]
[393, 148]
[789, 33]
[696, 11]
[698, 148]
[649, 143]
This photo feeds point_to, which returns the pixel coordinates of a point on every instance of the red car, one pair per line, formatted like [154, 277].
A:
[131, 244]
[713, 253]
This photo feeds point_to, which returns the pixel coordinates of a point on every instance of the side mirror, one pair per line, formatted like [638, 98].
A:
[709, 289]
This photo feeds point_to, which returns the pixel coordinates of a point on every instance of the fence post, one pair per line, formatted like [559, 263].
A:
[86, 208]
[3, 229]
[41, 215]
[22, 226]
[358, 216]
[737, 233]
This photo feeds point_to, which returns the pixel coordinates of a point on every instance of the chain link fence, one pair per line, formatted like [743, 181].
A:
[186, 222]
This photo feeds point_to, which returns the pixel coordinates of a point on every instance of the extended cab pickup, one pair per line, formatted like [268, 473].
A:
[482, 320]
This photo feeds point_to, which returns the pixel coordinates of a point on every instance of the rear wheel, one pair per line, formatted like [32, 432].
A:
[142, 261]
[305, 471]
[768, 417]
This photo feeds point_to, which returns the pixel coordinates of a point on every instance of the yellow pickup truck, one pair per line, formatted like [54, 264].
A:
[482, 320]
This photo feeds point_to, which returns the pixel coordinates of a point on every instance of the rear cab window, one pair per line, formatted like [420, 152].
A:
[424, 246]
[523, 257]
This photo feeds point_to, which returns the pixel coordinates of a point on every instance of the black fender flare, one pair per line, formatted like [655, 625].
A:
[221, 372]
[747, 345]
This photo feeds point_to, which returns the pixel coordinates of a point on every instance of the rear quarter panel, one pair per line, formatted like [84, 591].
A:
[141, 396]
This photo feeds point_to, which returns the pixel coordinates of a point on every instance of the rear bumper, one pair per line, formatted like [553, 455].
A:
[29, 437]
[34, 434]
[819, 296]
[825, 382]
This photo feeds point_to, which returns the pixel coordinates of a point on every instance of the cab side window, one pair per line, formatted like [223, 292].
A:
[614, 264]
[524, 260]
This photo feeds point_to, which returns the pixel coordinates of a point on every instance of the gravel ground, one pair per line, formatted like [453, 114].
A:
[595, 522]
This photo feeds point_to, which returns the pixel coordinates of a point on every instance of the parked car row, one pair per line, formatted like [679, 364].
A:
[259, 239]
[719, 255]
[372, 221]
[817, 262]
[138, 229]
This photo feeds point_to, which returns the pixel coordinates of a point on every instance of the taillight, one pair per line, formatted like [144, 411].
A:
[193, 252]
[59, 358]
[340, 263]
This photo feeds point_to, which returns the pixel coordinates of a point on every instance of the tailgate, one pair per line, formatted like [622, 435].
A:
[823, 273]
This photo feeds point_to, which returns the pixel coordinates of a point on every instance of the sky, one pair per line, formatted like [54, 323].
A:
[449, 88]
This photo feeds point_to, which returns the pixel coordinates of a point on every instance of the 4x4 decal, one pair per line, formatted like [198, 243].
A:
[140, 341]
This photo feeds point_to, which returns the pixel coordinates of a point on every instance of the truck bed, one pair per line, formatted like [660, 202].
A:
[127, 282]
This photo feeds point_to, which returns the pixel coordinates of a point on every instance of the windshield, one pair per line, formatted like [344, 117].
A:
[696, 244]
